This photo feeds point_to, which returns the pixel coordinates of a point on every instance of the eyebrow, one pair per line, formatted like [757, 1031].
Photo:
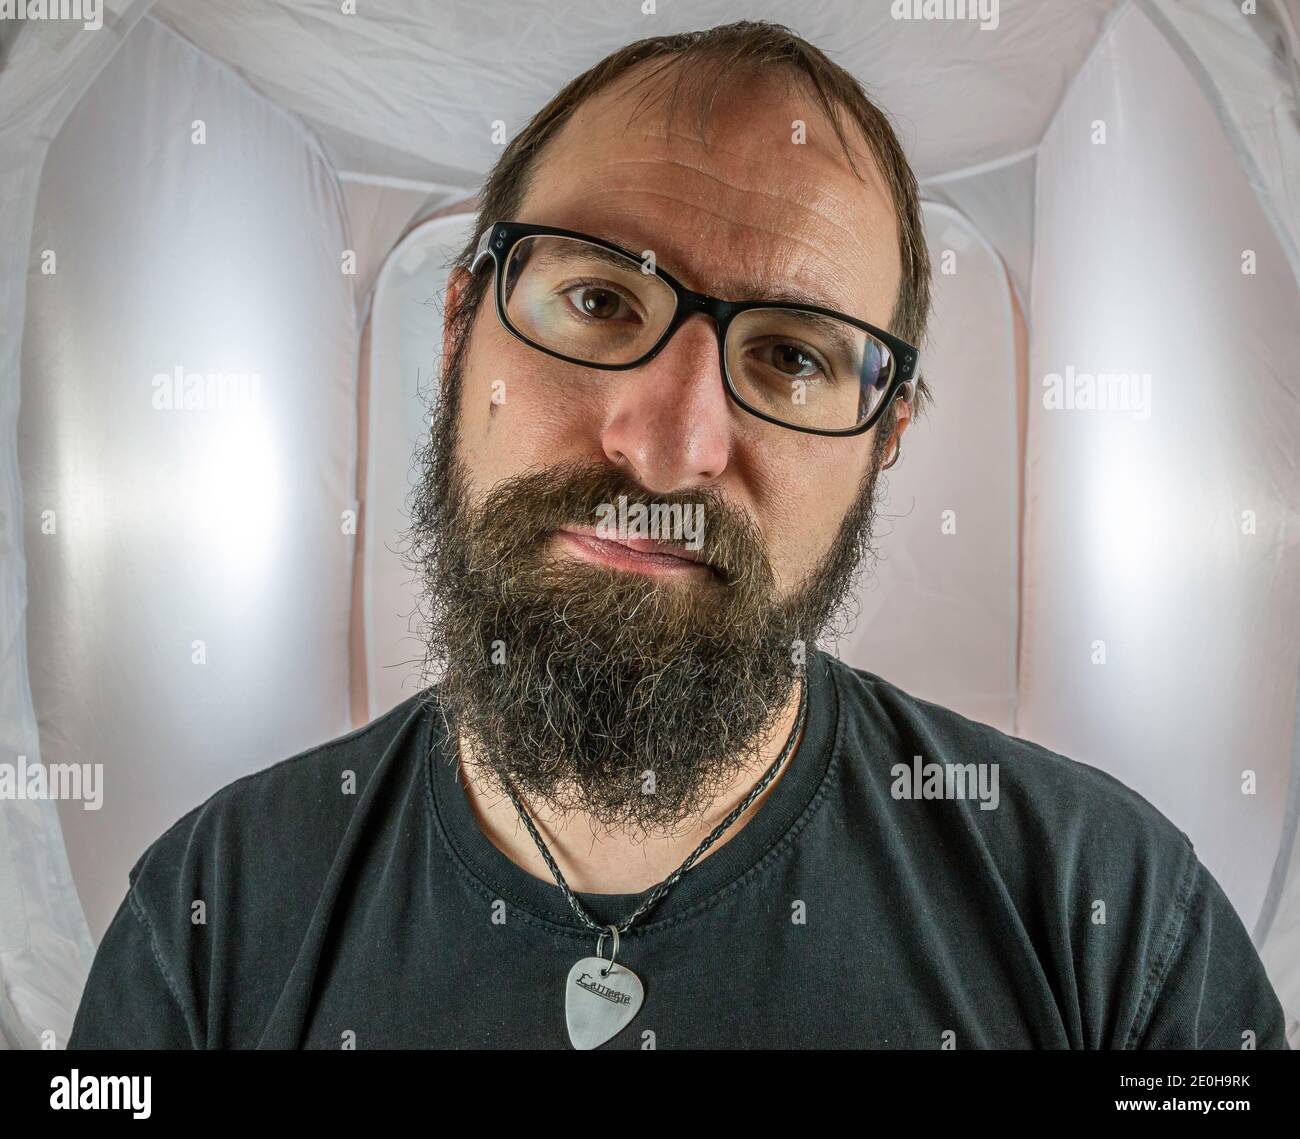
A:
[553, 254]
[846, 342]
[737, 289]
[747, 289]
[789, 295]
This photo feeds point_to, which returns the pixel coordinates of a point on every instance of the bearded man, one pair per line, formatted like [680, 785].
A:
[638, 807]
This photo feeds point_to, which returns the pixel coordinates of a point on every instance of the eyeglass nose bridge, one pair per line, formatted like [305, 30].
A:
[689, 304]
[696, 302]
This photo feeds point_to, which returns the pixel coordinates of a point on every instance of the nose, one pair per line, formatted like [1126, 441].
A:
[669, 423]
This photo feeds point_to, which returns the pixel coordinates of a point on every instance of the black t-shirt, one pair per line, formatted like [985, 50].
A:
[348, 898]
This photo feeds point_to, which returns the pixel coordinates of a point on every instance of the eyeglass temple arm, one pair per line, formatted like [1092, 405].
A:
[482, 250]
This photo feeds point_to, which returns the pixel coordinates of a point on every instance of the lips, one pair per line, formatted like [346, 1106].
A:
[644, 554]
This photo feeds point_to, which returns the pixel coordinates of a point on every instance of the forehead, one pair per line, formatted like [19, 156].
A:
[763, 203]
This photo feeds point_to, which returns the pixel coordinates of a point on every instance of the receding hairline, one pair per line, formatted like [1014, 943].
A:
[674, 84]
[706, 83]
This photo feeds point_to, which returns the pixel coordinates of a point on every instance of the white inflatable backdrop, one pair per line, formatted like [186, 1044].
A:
[194, 594]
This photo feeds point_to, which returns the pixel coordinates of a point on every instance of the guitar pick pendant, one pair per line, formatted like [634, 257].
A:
[600, 1000]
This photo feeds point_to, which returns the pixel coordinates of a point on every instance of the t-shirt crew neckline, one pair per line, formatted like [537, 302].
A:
[779, 818]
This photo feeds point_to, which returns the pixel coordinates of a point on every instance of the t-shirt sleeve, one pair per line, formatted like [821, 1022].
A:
[1209, 988]
[129, 1001]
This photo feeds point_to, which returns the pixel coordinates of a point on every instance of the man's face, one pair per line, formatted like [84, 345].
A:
[747, 214]
[582, 672]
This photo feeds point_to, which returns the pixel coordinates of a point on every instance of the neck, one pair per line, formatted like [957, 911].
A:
[595, 860]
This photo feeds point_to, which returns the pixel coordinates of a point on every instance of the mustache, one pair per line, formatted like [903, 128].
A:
[525, 508]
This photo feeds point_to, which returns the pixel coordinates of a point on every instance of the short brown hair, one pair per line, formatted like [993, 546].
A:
[707, 58]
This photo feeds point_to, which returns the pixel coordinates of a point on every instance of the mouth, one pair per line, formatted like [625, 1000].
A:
[635, 555]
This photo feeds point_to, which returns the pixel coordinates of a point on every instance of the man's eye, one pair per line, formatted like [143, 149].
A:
[599, 303]
[791, 360]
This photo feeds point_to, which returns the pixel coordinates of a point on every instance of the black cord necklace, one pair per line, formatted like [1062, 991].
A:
[601, 998]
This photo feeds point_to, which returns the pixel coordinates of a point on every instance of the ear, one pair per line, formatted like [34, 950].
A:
[453, 301]
[902, 417]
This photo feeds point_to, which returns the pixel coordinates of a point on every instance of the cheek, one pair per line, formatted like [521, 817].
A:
[805, 493]
[514, 412]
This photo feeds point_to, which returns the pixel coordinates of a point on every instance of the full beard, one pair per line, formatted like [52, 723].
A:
[632, 699]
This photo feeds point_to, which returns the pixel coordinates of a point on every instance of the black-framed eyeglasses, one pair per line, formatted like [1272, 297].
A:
[590, 302]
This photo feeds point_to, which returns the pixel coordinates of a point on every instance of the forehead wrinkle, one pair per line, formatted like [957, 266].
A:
[840, 249]
[669, 135]
[783, 198]
[821, 130]
[685, 272]
[829, 202]
[713, 146]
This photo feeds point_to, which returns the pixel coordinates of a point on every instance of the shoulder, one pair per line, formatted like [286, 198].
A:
[1066, 859]
[223, 901]
[285, 820]
[1046, 805]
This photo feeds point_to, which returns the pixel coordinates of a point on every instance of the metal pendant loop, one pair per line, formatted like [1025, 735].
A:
[600, 945]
